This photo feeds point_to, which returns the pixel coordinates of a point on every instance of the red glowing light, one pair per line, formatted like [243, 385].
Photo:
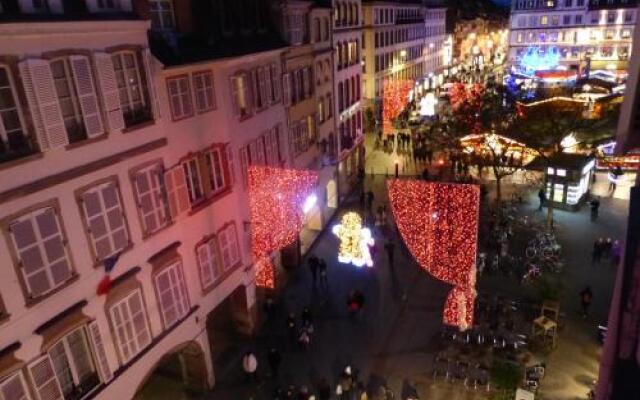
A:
[439, 224]
[395, 98]
[276, 198]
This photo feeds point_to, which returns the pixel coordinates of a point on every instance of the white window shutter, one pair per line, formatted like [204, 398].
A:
[262, 83]
[230, 163]
[149, 67]
[286, 90]
[83, 78]
[244, 165]
[43, 102]
[109, 91]
[305, 82]
[177, 191]
[276, 82]
[100, 354]
[45, 382]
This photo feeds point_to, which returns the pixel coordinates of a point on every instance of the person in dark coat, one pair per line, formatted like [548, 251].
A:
[390, 248]
[543, 198]
[597, 251]
[313, 266]
[586, 296]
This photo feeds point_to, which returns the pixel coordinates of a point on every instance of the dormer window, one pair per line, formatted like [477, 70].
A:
[161, 14]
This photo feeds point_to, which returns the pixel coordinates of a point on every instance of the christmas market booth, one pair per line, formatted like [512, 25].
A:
[568, 178]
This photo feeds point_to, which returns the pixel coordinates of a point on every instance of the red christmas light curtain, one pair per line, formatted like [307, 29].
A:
[276, 196]
[395, 99]
[439, 224]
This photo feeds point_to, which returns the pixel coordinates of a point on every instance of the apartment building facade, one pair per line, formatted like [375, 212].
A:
[347, 74]
[579, 34]
[438, 47]
[125, 230]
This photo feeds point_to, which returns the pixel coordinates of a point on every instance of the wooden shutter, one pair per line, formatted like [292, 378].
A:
[232, 238]
[244, 165]
[306, 82]
[223, 242]
[45, 382]
[276, 82]
[149, 68]
[100, 354]
[43, 103]
[233, 87]
[268, 149]
[230, 164]
[204, 262]
[83, 78]
[109, 90]
[262, 79]
[177, 191]
[260, 150]
[14, 388]
[286, 89]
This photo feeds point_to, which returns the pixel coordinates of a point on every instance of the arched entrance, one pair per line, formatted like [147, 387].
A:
[180, 374]
[229, 326]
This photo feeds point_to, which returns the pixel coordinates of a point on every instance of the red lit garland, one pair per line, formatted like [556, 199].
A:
[439, 224]
[276, 196]
[395, 98]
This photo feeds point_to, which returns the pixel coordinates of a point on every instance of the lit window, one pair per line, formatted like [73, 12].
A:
[544, 20]
[161, 14]
[561, 172]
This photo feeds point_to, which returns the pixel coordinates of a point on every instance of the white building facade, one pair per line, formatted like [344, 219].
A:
[586, 34]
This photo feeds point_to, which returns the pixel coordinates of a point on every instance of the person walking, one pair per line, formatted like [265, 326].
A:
[274, 358]
[543, 197]
[616, 252]
[586, 296]
[323, 274]
[390, 248]
[597, 251]
[594, 204]
[606, 248]
[370, 198]
[250, 366]
[313, 266]
[306, 317]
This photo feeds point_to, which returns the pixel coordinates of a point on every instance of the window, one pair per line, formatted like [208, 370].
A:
[105, 220]
[611, 17]
[628, 16]
[260, 92]
[14, 387]
[566, 19]
[625, 33]
[172, 294]
[151, 198]
[42, 251]
[295, 28]
[519, 37]
[73, 364]
[544, 20]
[228, 242]
[321, 109]
[215, 160]
[130, 325]
[161, 14]
[609, 33]
[274, 83]
[208, 262]
[12, 138]
[568, 3]
[578, 19]
[131, 92]
[204, 91]
[194, 180]
[180, 97]
[240, 89]
[108, 5]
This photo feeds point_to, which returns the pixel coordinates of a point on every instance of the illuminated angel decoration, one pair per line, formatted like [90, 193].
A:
[355, 241]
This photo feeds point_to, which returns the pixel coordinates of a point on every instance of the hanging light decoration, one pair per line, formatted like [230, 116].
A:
[439, 224]
[277, 199]
[355, 241]
[395, 98]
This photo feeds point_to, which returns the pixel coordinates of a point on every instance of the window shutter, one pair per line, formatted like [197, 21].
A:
[232, 238]
[233, 86]
[204, 261]
[230, 163]
[286, 90]
[268, 149]
[276, 82]
[262, 79]
[105, 219]
[306, 82]
[43, 102]
[260, 150]
[83, 78]
[100, 354]
[177, 191]
[14, 388]
[109, 90]
[45, 381]
[149, 67]
[244, 165]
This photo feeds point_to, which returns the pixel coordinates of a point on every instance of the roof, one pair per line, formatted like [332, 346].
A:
[569, 161]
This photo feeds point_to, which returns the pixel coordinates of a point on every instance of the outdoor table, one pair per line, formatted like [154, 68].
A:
[546, 327]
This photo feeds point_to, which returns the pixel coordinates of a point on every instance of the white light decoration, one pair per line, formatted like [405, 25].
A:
[428, 105]
[309, 203]
[355, 241]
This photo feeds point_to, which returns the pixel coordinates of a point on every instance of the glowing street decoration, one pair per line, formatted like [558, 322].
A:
[276, 201]
[354, 241]
[439, 224]
[395, 98]
[536, 59]
[309, 203]
[428, 105]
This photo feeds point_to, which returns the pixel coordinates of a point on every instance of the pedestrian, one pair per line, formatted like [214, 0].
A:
[597, 251]
[362, 198]
[306, 317]
[291, 327]
[324, 390]
[304, 337]
[313, 266]
[250, 365]
[543, 197]
[274, 358]
[390, 248]
[616, 251]
[594, 204]
[585, 300]
[370, 197]
[606, 248]
[425, 174]
[323, 274]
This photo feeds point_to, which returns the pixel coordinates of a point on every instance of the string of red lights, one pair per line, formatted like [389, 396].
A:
[276, 197]
[439, 224]
[395, 98]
